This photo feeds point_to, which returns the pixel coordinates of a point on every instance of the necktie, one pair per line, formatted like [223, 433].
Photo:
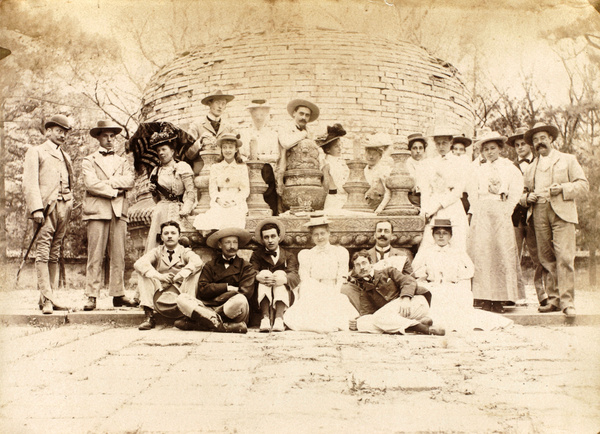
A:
[105, 153]
[382, 252]
[215, 124]
[170, 252]
[299, 128]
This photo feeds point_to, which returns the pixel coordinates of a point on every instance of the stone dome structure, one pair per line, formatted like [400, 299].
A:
[368, 84]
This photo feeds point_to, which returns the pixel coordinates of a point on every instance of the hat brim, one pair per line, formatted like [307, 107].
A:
[51, 124]
[321, 221]
[463, 141]
[501, 139]
[238, 142]
[262, 223]
[209, 98]
[244, 237]
[328, 141]
[550, 129]
[95, 132]
[314, 110]
[512, 139]
[165, 303]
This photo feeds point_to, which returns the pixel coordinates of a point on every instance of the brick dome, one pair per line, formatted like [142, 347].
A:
[368, 84]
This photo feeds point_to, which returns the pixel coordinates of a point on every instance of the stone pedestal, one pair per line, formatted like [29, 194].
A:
[256, 203]
[356, 187]
[399, 183]
[303, 189]
[210, 157]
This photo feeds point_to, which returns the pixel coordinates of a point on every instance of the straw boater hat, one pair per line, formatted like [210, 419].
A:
[462, 139]
[218, 94]
[441, 223]
[540, 126]
[58, 121]
[230, 138]
[443, 131]
[416, 137]
[519, 133]
[334, 132]
[490, 136]
[295, 103]
[262, 223]
[105, 125]
[378, 141]
[317, 220]
[243, 237]
[165, 303]
[258, 103]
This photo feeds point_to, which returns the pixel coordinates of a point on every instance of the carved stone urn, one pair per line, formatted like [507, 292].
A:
[399, 183]
[356, 186]
[256, 203]
[303, 190]
[210, 157]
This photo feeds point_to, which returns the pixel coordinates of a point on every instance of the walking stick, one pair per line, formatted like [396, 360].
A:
[35, 234]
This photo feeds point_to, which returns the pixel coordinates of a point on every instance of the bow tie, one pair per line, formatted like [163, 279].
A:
[272, 253]
[227, 261]
[170, 252]
[300, 128]
[107, 153]
[524, 160]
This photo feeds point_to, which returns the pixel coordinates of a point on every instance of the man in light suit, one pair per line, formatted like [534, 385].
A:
[552, 183]
[167, 265]
[382, 255]
[107, 177]
[210, 129]
[48, 189]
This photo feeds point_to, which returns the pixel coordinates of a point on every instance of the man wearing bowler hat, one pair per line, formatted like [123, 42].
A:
[524, 230]
[168, 267]
[552, 183]
[277, 274]
[48, 189]
[225, 287]
[211, 128]
[302, 112]
[107, 177]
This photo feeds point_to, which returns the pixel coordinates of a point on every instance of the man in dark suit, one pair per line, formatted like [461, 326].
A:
[524, 230]
[277, 274]
[48, 186]
[390, 301]
[552, 183]
[107, 178]
[225, 287]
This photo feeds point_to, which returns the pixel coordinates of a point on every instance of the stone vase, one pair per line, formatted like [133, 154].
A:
[303, 189]
[256, 202]
[399, 183]
[356, 187]
[209, 157]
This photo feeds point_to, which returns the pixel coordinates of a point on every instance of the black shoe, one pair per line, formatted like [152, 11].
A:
[548, 308]
[148, 324]
[235, 327]
[90, 304]
[185, 324]
[497, 307]
[544, 302]
[123, 301]
[486, 305]
[207, 319]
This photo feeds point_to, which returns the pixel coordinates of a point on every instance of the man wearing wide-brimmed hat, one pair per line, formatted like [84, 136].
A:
[212, 127]
[48, 189]
[552, 184]
[302, 112]
[277, 275]
[224, 289]
[107, 177]
[524, 230]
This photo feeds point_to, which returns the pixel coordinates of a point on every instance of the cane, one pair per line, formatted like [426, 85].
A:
[35, 234]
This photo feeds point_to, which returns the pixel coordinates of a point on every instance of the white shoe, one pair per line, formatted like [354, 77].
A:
[278, 325]
[265, 325]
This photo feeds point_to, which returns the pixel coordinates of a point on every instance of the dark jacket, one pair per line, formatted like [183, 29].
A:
[212, 285]
[287, 262]
[519, 215]
[387, 285]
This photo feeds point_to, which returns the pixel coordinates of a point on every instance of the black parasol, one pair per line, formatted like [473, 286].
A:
[143, 152]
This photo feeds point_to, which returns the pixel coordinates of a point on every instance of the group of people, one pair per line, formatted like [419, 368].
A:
[478, 214]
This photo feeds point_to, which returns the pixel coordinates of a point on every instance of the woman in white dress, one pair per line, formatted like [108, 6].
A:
[494, 192]
[320, 306]
[335, 170]
[446, 272]
[228, 187]
[171, 184]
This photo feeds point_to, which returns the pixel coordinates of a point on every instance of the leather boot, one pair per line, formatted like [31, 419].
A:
[149, 323]
[235, 327]
[122, 301]
[90, 304]
[207, 319]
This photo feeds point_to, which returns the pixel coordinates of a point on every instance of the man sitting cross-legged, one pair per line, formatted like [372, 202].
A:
[224, 288]
[164, 266]
[390, 301]
[277, 274]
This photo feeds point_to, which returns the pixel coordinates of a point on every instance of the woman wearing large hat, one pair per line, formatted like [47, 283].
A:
[171, 184]
[228, 187]
[335, 170]
[377, 171]
[496, 188]
[320, 306]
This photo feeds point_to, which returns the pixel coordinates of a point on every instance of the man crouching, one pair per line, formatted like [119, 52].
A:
[224, 288]
[390, 301]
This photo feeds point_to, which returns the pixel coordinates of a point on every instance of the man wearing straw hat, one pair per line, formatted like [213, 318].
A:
[225, 287]
[107, 178]
[552, 184]
[48, 190]
[524, 230]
